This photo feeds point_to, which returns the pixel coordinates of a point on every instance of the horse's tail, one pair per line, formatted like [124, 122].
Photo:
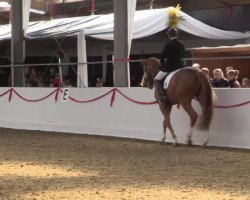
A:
[206, 98]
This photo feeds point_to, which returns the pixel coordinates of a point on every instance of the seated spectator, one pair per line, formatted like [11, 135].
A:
[26, 72]
[39, 77]
[246, 83]
[51, 85]
[52, 74]
[206, 71]
[232, 76]
[31, 83]
[33, 75]
[219, 80]
[196, 65]
[57, 80]
[99, 82]
[66, 82]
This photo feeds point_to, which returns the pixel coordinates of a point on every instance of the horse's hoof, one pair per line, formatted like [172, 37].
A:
[176, 144]
[163, 140]
[189, 143]
[205, 144]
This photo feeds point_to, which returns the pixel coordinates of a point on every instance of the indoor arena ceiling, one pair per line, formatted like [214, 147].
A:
[70, 8]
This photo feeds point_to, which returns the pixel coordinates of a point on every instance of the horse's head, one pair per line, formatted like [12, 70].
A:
[151, 68]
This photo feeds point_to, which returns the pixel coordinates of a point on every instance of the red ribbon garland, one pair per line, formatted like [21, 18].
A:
[112, 100]
[233, 106]
[34, 100]
[3, 94]
[10, 94]
[91, 100]
[135, 101]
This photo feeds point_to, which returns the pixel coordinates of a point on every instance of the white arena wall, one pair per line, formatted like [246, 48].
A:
[230, 127]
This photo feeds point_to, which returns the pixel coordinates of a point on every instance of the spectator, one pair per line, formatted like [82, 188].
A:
[31, 83]
[133, 82]
[57, 80]
[51, 85]
[32, 75]
[232, 76]
[246, 83]
[52, 74]
[66, 82]
[99, 82]
[229, 68]
[196, 65]
[26, 72]
[206, 71]
[40, 78]
[219, 80]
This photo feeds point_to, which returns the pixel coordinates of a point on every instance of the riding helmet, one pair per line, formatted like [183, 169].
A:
[172, 32]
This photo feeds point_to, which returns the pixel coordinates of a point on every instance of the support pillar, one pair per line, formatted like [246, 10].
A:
[17, 43]
[121, 69]
[82, 69]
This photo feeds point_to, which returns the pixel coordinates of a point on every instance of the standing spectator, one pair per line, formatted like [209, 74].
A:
[196, 65]
[229, 68]
[246, 83]
[206, 71]
[232, 76]
[219, 80]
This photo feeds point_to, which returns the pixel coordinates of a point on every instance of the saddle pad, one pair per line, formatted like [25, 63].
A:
[168, 79]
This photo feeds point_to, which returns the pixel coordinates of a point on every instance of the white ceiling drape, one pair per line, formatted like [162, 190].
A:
[146, 23]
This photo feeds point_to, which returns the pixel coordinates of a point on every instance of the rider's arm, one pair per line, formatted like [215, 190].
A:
[163, 55]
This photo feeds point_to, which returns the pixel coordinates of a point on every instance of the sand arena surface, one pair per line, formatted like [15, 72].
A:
[38, 165]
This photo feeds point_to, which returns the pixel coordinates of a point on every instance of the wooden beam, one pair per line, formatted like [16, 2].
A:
[36, 4]
[66, 1]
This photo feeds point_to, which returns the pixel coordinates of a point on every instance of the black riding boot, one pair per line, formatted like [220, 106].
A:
[163, 96]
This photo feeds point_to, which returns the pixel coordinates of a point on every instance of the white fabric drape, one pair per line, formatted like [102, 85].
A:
[26, 14]
[82, 70]
[131, 14]
[146, 23]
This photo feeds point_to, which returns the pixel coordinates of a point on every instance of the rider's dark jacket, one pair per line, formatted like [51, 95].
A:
[172, 54]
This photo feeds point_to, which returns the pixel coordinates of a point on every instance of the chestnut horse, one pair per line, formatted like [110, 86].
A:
[185, 85]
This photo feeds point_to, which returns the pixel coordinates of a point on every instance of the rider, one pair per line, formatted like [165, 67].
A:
[171, 60]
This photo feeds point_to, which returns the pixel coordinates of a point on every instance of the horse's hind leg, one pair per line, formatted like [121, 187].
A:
[167, 124]
[175, 143]
[207, 139]
[193, 118]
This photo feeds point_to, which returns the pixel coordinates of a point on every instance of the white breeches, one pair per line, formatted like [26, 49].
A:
[161, 75]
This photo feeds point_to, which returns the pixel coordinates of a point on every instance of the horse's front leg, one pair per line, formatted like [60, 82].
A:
[166, 110]
[164, 132]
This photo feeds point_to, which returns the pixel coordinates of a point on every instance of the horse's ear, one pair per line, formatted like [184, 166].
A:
[143, 62]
